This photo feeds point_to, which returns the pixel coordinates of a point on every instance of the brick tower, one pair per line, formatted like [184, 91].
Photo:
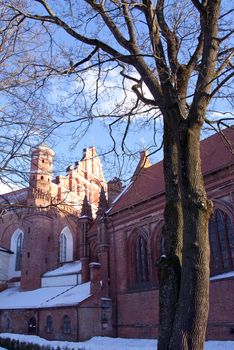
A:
[40, 176]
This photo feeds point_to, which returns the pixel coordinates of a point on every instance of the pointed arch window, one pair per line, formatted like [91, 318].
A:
[221, 242]
[63, 247]
[66, 325]
[18, 257]
[66, 245]
[8, 324]
[49, 324]
[141, 261]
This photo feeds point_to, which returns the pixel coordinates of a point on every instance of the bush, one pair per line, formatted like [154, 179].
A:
[12, 344]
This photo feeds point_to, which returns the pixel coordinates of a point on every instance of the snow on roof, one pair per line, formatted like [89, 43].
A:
[5, 250]
[46, 297]
[66, 269]
[222, 276]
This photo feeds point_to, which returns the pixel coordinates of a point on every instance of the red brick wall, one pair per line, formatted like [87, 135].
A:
[57, 316]
[19, 320]
[138, 314]
[221, 314]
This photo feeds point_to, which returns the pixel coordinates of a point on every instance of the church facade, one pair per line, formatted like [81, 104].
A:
[78, 255]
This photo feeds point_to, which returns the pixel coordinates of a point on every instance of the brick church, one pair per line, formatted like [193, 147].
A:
[78, 255]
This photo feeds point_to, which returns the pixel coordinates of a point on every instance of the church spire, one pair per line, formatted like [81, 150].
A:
[86, 209]
[102, 205]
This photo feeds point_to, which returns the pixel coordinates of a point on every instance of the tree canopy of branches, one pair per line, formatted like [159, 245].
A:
[171, 57]
[23, 121]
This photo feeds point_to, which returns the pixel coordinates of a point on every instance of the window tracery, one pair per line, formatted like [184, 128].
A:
[221, 242]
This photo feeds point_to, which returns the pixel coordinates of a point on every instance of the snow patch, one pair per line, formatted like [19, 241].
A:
[105, 343]
[67, 268]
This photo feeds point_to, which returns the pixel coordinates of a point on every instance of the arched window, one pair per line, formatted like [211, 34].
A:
[32, 326]
[141, 261]
[66, 245]
[15, 262]
[18, 256]
[49, 324]
[66, 325]
[157, 250]
[221, 242]
[8, 323]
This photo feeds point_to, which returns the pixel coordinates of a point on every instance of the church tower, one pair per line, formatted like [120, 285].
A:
[40, 176]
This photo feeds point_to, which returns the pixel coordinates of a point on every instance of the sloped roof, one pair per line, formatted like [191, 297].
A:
[216, 151]
[5, 250]
[13, 298]
[215, 154]
[13, 197]
[66, 269]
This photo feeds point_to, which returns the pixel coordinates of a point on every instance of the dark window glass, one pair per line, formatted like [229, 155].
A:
[8, 323]
[66, 325]
[49, 324]
[221, 242]
[32, 326]
[18, 258]
[141, 261]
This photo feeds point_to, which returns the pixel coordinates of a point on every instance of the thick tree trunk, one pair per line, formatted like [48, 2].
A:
[169, 264]
[192, 308]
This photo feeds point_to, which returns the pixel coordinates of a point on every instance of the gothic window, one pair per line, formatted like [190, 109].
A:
[18, 256]
[49, 324]
[63, 247]
[221, 242]
[8, 323]
[66, 245]
[66, 325]
[141, 261]
[15, 262]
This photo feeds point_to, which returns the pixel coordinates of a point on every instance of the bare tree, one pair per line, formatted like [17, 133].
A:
[24, 120]
[173, 57]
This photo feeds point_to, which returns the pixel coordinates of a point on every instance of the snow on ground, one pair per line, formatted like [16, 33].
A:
[105, 343]
[12, 298]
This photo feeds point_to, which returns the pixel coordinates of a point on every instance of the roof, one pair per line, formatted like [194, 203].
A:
[215, 155]
[66, 269]
[12, 298]
[5, 250]
[14, 197]
[216, 151]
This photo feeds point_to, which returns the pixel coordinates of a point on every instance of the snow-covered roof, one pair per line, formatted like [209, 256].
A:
[5, 250]
[66, 269]
[46, 297]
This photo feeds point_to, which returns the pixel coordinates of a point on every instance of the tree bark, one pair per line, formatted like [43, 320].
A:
[169, 266]
[193, 303]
